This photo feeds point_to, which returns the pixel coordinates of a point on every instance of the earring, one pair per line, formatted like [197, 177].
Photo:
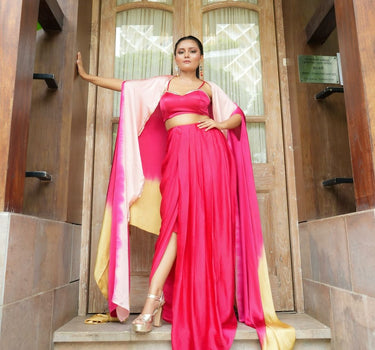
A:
[201, 71]
[177, 69]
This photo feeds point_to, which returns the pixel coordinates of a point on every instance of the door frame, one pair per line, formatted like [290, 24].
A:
[291, 190]
[288, 158]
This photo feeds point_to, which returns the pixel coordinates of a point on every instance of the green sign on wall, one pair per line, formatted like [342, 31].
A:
[318, 69]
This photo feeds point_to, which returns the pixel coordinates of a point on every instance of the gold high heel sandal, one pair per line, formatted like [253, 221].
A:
[148, 320]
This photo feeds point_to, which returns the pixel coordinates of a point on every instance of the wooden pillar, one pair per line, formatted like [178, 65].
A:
[355, 28]
[18, 20]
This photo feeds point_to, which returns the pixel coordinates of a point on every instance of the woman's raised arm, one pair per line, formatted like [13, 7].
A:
[108, 83]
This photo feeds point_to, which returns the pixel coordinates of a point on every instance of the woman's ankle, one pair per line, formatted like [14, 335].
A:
[150, 305]
[155, 291]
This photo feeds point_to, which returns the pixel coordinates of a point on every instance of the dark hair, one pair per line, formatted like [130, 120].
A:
[198, 42]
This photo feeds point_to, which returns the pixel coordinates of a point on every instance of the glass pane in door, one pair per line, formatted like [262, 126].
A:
[120, 2]
[207, 2]
[144, 46]
[257, 138]
[232, 56]
[232, 59]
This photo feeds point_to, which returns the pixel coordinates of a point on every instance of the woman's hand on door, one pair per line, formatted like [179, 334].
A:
[108, 83]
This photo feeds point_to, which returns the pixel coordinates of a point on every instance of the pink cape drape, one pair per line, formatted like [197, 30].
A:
[139, 117]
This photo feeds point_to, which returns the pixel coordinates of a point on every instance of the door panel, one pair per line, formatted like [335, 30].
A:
[240, 56]
[244, 35]
[136, 42]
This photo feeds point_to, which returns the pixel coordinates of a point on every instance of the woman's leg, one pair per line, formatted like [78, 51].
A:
[161, 274]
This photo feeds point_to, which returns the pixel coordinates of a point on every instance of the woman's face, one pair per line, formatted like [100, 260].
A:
[188, 55]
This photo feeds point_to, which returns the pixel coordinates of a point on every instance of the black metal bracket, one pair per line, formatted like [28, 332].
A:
[337, 180]
[328, 91]
[48, 78]
[41, 175]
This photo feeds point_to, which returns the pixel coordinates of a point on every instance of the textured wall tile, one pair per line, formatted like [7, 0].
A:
[317, 301]
[349, 321]
[1, 319]
[4, 239]
[20, 259]
[304, 238]
[76, 252]
[329, 252]
[52, 263]
[44, 310]
[361, 238]
[370, 308]
[65, 304]
[26, 325]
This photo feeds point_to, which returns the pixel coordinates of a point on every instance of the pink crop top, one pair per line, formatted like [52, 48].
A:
[195, 102]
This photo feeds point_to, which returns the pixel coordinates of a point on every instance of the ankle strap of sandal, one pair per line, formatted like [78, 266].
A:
[156, 297]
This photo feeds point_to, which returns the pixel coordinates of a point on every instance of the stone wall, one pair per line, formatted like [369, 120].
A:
[338, 269]
[39, 277]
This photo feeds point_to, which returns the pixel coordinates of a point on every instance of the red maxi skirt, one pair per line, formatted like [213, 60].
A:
[198, 190]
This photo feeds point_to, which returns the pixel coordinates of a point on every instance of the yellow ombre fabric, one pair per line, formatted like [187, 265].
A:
[102, 255]
[142, 213]
[279, 335]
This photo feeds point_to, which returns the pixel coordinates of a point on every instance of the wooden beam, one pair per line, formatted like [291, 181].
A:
[322, 23]
[51, 17]
[17, 39]
[357, 105]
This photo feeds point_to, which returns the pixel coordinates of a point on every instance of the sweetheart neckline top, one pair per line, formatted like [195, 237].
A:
[193, 102]
[189, 92]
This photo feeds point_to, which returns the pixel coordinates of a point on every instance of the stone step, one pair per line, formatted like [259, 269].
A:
[76, 335]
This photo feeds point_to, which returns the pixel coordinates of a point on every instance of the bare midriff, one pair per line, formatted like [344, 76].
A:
[184, 119]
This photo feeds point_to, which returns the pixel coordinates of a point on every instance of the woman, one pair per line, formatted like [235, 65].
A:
[210, 249]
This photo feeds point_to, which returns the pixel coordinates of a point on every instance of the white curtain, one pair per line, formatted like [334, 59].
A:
[232, 59]
[169, 2]
[207, 2]
[120, 2]
[144, 45]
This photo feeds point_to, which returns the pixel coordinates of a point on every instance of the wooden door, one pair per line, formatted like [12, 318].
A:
[207, 20]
